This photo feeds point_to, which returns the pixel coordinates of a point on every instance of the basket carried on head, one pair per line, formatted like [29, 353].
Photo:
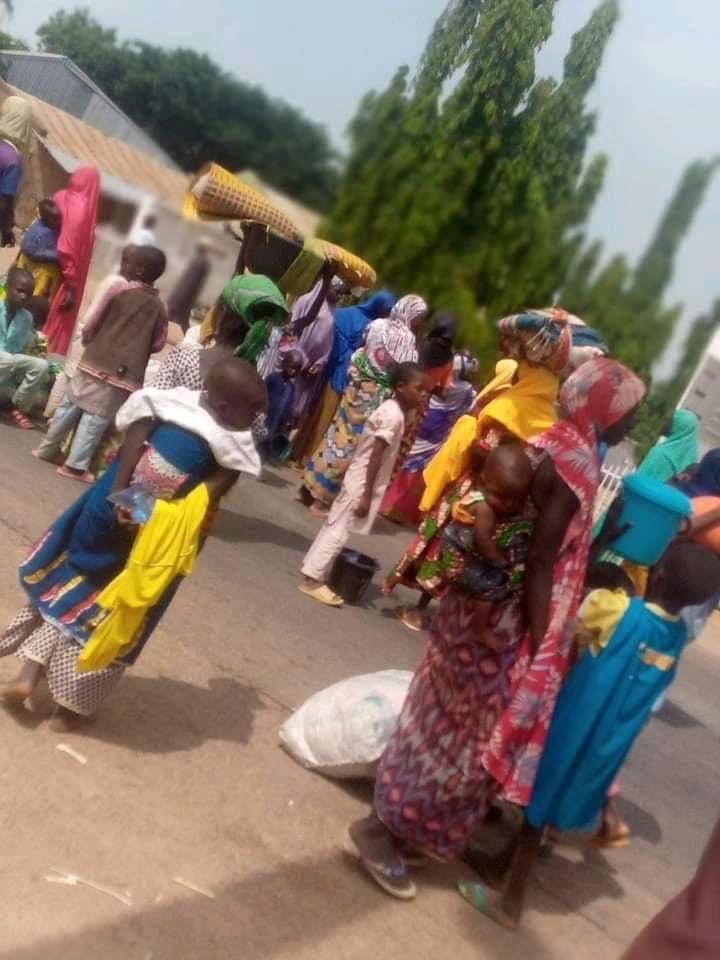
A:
[217, 194]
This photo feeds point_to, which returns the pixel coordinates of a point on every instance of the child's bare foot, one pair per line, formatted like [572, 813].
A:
[318, 510]
[84, 476]
[65, 721]
[488, 902]
[38, 456]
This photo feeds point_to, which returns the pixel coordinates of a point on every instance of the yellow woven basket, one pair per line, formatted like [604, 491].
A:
[217, 194]
[350, 268]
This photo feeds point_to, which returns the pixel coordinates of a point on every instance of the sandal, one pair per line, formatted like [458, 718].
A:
[22, 421]
[391, 876]
[410, 619]
[321, 592]
[487, 903]
[611, 841]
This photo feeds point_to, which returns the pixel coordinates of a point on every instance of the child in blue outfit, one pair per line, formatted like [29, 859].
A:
[631, 652]
[280, 387]
[39, 249]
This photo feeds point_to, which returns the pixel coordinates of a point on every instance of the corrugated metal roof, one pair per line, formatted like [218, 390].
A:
[58, 81]
[111, 156]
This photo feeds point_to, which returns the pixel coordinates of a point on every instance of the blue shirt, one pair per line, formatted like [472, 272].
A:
[40, 243]
[15, 331]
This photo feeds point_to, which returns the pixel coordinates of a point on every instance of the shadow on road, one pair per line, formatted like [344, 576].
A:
[163, 715]
[236, 528]
[278, 911]
[642, 823]
[674, 716]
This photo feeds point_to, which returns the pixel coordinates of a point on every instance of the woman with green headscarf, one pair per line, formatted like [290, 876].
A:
[253, 300]
[15, 134]
[677, 450]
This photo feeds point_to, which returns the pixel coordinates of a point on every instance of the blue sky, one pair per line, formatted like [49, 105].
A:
[656, 96]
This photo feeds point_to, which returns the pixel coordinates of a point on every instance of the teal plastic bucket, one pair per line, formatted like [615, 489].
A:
[654, 512]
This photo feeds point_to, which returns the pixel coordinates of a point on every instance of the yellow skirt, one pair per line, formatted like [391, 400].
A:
[48, 276]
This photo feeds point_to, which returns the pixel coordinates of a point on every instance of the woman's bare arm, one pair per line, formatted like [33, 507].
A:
[131, 451]
[557, 505]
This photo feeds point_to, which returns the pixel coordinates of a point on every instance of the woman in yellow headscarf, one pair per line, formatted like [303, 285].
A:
[15, 134]
[537, 347]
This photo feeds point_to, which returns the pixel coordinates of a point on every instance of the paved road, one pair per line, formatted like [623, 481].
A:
[185, 779]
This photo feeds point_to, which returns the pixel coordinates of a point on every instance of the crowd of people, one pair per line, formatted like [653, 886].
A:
[542, 664]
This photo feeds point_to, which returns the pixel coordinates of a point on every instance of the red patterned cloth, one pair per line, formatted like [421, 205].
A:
[600, 393]
[476, 718]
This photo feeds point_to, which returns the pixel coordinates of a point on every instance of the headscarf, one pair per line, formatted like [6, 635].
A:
[551, 337]
[601, 392]
[350, 325]
[244, 294]
[524, 409]
[393, 339]
[705, 482]
[677, 451]
[16, 123]
[78, 204]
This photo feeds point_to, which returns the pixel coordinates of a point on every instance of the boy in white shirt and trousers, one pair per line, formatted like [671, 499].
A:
[365, 483]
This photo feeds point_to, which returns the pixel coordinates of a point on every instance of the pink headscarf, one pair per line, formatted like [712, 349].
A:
[599, 393]
[78, 204]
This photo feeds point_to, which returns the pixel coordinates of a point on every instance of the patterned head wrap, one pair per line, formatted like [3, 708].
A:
[393, 339]
[551, 338]
[601, 392]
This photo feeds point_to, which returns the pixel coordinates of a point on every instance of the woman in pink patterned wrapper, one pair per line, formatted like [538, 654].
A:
[477, 714]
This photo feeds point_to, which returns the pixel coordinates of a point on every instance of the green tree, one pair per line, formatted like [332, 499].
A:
[470, 183]
[627, 304]
[196, 111]
[8, 42]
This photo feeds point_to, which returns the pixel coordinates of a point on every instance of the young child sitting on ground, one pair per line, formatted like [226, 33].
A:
[129, 325]
[485, 552]
[176, 440]
[25, 375]
[281, 394]
[365, 482]
[632, 651]
[38, 249]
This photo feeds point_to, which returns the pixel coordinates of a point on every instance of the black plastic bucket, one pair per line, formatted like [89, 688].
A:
[351, 575]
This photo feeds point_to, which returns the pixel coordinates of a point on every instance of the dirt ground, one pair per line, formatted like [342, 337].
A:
[184, 779]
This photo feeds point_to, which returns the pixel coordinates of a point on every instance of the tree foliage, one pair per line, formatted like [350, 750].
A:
[627, 304]
[196, 111]
[470, 183]
[8, 42]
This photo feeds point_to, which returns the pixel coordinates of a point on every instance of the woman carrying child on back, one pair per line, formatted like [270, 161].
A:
[39, 249]
[88, 576]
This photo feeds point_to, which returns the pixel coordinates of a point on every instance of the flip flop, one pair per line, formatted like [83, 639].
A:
[402, 614]
[390, 877]
[20, 420]
[323, 593]
[477, 896]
